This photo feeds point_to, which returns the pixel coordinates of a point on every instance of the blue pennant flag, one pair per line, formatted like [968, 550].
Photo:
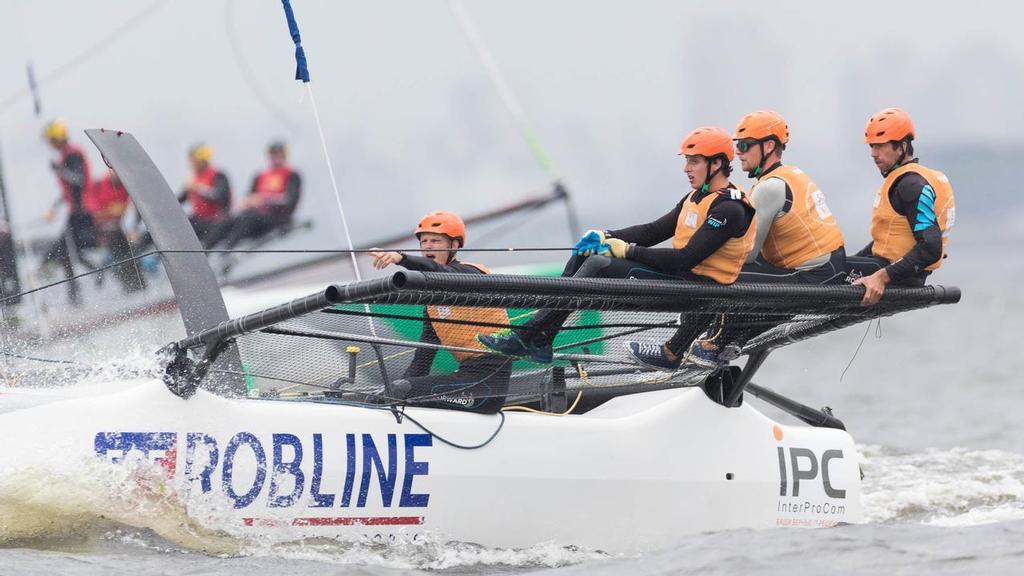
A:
[301, 69]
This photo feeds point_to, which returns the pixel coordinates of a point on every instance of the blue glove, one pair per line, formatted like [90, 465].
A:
[589, 244]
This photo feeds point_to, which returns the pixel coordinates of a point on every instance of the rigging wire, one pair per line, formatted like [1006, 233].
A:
[503, 88]
[247, 72]
[512, 104]
[867, 329]
[143, 255]
[302, 73]
[85, 55]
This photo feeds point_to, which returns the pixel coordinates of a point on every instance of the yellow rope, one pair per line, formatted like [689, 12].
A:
[584, 381]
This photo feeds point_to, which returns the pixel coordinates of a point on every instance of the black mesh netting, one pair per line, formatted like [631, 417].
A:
[413, 338]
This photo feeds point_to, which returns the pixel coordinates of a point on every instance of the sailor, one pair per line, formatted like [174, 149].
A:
[913, 213]
[9, 283]
[207, 192]
[107, 201]
[481, 381]
[72, 171]
[272, 199]
[712, 230]
[798, 240]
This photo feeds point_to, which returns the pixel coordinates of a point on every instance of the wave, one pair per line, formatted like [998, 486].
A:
[954, 487]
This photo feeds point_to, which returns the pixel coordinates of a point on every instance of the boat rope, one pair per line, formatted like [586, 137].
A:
[501, 424]
[10, 354]
[867, 329]
[302, 73]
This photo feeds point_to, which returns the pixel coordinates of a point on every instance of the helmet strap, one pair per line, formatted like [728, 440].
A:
[759, 170]
[452, 250]
[707, 178]
[899, 161]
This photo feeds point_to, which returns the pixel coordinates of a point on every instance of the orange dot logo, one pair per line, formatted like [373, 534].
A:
[777, 432]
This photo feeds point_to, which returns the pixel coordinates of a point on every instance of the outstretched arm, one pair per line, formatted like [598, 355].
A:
[651, 233]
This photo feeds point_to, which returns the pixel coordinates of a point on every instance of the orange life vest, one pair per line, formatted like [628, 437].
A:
[808, 230]
[464, 335]
[891, 234]
[65, 190]
[106, 202]
[205, 208]
[722, 266]
[271, 186]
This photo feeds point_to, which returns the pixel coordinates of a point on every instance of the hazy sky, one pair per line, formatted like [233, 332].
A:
[414, 124]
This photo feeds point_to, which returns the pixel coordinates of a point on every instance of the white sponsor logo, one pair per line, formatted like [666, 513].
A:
[820, 205]
[691, 219]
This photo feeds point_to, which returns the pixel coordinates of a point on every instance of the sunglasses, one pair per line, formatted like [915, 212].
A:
[743, 145]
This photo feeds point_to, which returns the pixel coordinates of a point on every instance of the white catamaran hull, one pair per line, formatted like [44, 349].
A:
[636, 473]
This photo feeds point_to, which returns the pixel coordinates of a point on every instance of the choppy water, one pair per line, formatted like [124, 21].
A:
[933, 403]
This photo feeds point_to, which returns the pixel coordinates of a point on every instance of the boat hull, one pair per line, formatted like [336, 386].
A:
[637, 473]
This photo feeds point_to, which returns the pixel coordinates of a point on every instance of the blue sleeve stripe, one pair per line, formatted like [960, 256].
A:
[927, 197]
[925, 210]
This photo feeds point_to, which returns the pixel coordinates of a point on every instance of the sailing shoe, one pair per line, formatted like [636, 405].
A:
[650, 354]
[509, 343]
[704, 354]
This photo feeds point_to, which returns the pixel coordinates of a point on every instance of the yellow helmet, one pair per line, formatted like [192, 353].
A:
[201, 153]
[56, 130]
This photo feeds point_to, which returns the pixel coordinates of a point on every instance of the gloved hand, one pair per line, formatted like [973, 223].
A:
[589, 243]
[618, 248]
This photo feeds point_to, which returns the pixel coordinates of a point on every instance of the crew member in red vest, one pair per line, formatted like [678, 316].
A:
[107, 201]
[798, 241]
[481, 382]
[913, 214]
[272, 199]
[72, 171]
[208, 193]
[712, 230]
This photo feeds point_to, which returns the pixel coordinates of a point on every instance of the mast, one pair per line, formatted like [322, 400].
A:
[9, 283]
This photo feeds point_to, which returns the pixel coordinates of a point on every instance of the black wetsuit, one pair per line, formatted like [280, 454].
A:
[833, 271]
[203, 227]
[80, 229]
[481, 382]
[645, 262]
[9, 283]
[253, 223]
[912, 197]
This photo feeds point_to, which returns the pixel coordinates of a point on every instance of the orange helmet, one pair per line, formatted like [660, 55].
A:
[445, 223]
[762, 125]
[891, 124]
[707, 141]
